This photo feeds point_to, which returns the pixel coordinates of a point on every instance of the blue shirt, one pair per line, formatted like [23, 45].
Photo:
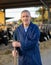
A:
[25, 29]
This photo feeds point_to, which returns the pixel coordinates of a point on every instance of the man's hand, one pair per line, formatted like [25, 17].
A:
[14, 53]
[16, 44]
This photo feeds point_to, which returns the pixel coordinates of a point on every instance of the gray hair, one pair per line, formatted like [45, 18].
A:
[25, 11]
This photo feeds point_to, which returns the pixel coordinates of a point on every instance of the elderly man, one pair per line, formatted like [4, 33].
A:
[26, 38]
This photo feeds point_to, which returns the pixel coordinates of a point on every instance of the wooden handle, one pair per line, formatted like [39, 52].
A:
[15, 58]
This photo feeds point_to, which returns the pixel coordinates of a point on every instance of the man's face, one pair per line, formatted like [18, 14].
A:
[25, 17]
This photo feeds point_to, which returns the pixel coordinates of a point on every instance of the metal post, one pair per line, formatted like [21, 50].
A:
[48, 15]
[4, 17]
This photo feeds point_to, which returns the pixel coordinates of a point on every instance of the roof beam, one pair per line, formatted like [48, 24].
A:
[23, 3]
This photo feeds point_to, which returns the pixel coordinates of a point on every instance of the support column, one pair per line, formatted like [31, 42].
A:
[48, 15]
[4, 16]
[43, 10]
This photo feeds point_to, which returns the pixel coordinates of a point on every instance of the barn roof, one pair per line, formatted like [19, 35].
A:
[22, 3]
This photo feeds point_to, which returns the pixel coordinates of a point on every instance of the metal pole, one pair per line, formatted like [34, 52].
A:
[48, 16]
[47, 9]
[44, 3]
[4, 17]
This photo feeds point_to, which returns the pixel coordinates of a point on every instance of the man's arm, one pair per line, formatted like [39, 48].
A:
[28, 44]
[16, 44]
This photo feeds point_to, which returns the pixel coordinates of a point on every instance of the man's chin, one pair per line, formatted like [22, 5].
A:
[26, 23]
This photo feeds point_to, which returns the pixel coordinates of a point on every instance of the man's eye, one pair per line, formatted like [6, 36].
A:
[25, 16]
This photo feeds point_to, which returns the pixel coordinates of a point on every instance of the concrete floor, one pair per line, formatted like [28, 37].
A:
[46, 57]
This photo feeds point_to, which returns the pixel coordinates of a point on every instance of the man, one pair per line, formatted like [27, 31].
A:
[26, 38]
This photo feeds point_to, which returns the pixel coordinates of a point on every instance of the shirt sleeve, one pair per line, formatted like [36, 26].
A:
[15, 39]
[15, 35]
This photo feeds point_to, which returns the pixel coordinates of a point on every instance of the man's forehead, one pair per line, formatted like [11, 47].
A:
[25, 13]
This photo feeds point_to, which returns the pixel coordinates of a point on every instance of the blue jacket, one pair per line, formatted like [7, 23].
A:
[29, 53]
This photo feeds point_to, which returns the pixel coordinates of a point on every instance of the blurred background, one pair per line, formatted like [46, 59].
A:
[10, 12]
